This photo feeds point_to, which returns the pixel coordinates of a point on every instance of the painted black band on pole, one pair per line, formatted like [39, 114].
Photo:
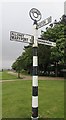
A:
[35, 51]
[35, 112]
[35, 91]
[35, 70]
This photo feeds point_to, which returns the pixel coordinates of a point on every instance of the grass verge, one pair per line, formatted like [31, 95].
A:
[5, 76]
[16, 99]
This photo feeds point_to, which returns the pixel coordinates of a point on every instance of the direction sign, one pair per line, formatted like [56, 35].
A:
[26, 38]
[44, 22]
[21, 37]
[46, 42]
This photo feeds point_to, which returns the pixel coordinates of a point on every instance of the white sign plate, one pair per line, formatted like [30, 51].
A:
[26, 38]
[46, 42]
[44, 22]
[21, 37]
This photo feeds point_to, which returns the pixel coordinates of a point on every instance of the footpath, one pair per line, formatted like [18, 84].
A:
[27, 77]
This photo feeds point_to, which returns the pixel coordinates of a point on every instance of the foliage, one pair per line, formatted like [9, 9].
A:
[24, 61]
[56, 34]
[27, 58]
[44, 53]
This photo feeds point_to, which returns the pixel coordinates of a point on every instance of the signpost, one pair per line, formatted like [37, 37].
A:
[21, 37]
[26, 38]
[44, 22]
[46, 42]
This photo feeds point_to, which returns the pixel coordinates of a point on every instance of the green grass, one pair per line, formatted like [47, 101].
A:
[16, 99]
[5, 76]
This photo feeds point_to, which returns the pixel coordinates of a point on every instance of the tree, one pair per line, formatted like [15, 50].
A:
[56, 34]
[17, 65]
[27, 58]
[24, 61]
[44, 53]
[47, 55]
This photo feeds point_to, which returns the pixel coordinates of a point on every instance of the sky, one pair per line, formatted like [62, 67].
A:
[15, 17]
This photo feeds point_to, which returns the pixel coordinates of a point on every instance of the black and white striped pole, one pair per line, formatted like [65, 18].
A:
[36, 16]
[35, 75]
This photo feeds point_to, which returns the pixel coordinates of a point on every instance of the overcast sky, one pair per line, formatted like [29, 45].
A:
[15, 16]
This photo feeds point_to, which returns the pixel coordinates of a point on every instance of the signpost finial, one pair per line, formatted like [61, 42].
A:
[35, 14]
